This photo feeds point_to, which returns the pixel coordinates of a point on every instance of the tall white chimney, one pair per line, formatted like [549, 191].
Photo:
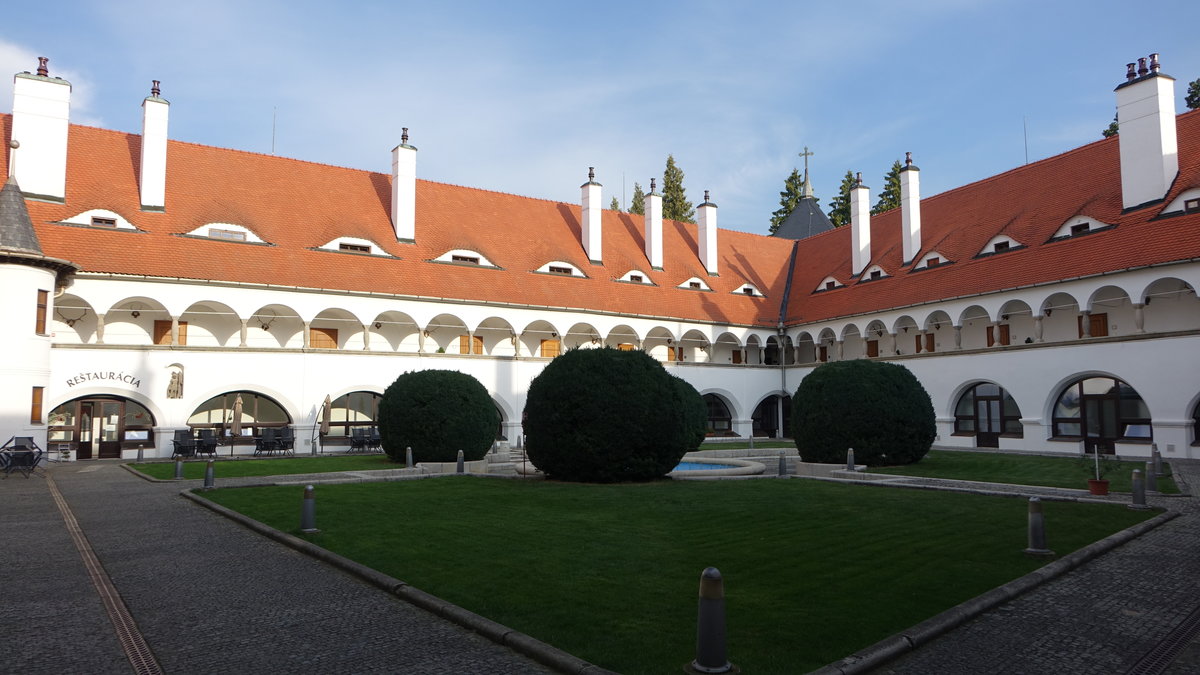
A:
[707, 234]
[41, 116]
[910, 207]
[591, 217]
[152, 175]
[404, 190]
[860, 226]
[654, 245]
[1146, 129]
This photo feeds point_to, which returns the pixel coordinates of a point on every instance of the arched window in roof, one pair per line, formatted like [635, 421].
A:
[872, 273]
[931, 260]
[464, 256]
[226, 232]
[1077, 226]
[102, 218]
[999, 244]
[695, 284]
[561, 268]
[828, 284]
[353, 245]
[637, 277]
[750, 290]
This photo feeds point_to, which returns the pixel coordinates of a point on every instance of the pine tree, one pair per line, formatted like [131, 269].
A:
[889, 198]
[793, 190]
[675, 203]
[615, 205]
[839, 208]
[1112, 129]
[638, 204]
[1192, 100]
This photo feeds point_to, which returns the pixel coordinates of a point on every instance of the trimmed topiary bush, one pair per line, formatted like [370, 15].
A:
[695, 412]
[437, 413]
[879, 409]
[605, 415]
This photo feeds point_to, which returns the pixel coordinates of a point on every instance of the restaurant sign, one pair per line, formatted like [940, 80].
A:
[105, 375]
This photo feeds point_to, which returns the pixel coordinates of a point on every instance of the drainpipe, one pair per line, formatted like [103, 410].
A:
[783, 304]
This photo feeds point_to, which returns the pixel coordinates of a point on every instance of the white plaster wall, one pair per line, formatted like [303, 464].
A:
[26, 355]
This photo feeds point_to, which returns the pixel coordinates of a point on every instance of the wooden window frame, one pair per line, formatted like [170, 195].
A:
[465, 259]
[872, 349]
[36, 398]
[226, 235]
[43, 306]
[636, 278]
[162, 332]
[1097, 325]
[354, 248]
[1004, 337]
[105, 222]
[328, 337]
[550, 348]
[470, 344]
[565, 271]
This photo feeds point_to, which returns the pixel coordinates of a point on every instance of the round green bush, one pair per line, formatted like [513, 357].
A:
[879, 409]
[437, 413]
[695, 412]
[604, 416]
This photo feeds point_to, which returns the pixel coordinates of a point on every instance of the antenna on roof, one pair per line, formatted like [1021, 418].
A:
[273, 109]
[1025, 131]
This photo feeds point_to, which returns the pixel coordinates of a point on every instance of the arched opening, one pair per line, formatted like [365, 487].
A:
[355, 410]
[275, 326]
[1170, 304]
[624, 338]
[987, 412]
[771, 352]
[101, 426]
[496, 336]
[1016, 324]
[976, 329]
[1061, 318]
[203, 324]
[727, 349]
[258, 412]
[335, 328]
[772, 417]
[806, 349]
[720, 422]
[1101, 411]
[74, 320]
[132, 321]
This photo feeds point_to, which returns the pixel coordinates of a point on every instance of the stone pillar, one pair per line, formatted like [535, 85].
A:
[174, 330]
[366, 337]
[307, 326]
[421, 341]
[839, 350]
[957, 337]
[1085, 323]
[242, 333]
[99, 328]
[1037, 328]
[516, 343]
[1139, 318]
[895, 345]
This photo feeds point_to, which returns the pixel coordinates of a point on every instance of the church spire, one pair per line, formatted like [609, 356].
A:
[808, 193]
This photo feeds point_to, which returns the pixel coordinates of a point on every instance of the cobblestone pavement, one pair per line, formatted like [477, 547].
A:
[208, 595]
[1103, 617]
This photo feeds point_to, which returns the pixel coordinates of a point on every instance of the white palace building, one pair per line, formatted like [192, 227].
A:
[149, 282]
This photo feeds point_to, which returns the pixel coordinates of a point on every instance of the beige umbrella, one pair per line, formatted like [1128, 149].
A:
[235, 424]
[326, 415]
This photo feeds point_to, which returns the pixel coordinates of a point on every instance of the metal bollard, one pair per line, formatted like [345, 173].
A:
[1037, 530]
[308, 512]
[140, 455]
[208, 475]
[783, 472]
[1151, 478]
[179, 469]
[408, 457]
[1157, 457]
[751, 441]
[850, 459]
[1139, 491]
[710, 626]
[460, 461]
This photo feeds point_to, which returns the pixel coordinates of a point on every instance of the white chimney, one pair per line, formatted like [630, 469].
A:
[591, 217]
[654, 245]
[860, 226]
[1146, 129]
[41, 116]
[404, 190]
[707, 234]
[152, 176]
[910, 207]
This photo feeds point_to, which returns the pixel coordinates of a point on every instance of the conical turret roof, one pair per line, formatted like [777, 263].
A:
[16, 229]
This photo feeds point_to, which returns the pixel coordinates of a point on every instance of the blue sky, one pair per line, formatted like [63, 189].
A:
[523, 97]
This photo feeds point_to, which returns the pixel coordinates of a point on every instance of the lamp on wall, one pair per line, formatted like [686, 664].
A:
[378, 325]
[136, 307]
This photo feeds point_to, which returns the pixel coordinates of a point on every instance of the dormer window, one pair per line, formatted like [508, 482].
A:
[750, 290]
[1079, 225]
[103, 218]
[637, 278]
[933, 261]
[695, 284]
[1079, 228]
[828, 284]
[462, 256]
[354, 248]
[228, 235]
[465, 259]
[999, 244]
[876, 274]
[561, 267]
[101, 221]
[1191, 205]
[555, 269]
[1187, 201]
[872, 273]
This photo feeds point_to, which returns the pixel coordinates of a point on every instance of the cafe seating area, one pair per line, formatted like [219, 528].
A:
[21, 454]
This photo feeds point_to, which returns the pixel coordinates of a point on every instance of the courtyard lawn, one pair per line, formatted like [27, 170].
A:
[237, 468]
[994, 467]
[813, 571]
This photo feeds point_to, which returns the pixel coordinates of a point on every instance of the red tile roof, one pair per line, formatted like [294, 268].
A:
[297, 206]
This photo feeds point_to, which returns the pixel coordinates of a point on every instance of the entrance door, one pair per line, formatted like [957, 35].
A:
[1100, 423]
[98, 426]
[988, 422]
[106, 428]
[84, 432]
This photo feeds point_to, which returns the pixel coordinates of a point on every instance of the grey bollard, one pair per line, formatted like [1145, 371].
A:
[208, 475]
[710, 626]
[1157, 457]
[408, 457]
[179, 469]
[460, 461]
[140, 455]
[1139, 491]
[1151, 478]
[1037, 530]
[783, 472]
[850, 459]
[308, 512]
[751, 441]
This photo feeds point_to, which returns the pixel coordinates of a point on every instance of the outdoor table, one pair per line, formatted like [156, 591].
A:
[24, 461]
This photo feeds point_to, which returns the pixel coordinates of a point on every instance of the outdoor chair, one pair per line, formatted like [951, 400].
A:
[286, 441]
[266, 442]
[184, 444]
[20, 453]
[207, 444]
[375, 441]
[358, 440]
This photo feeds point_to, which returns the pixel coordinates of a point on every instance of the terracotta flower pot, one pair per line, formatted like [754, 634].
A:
[1098, 487]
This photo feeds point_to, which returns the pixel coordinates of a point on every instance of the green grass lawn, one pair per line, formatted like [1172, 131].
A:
[236, 468]
[813, 571]
[994, 467]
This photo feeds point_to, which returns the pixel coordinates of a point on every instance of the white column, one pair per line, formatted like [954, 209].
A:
[1139, 318]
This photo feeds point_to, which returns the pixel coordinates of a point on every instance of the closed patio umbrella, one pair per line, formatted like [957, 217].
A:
[326, 415]
[235, 424]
